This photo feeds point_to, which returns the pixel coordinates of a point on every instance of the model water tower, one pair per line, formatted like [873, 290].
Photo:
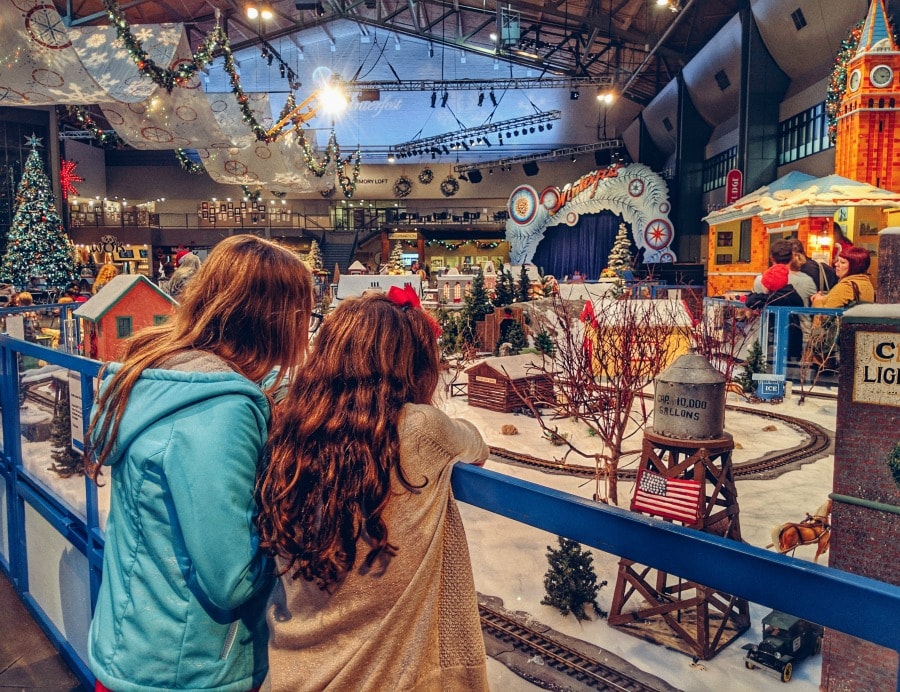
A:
[685, 475]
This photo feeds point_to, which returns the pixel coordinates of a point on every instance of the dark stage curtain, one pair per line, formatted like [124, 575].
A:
[584, 246]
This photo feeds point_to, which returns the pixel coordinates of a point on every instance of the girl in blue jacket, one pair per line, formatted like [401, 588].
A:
[181, 425]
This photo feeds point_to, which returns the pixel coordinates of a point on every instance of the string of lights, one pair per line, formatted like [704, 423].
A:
[545, 156]
[466, 138]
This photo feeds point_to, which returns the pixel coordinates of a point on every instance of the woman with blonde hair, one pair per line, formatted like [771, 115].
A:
[376, 588]
[181, 424]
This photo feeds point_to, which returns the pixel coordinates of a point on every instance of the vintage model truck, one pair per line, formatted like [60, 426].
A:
[786, 640]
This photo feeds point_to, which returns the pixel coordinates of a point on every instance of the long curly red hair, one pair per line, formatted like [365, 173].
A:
[335, 446]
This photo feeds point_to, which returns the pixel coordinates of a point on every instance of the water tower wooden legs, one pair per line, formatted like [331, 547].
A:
[663, 608]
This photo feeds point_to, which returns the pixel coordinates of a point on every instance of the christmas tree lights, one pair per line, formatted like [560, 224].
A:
[37, 244]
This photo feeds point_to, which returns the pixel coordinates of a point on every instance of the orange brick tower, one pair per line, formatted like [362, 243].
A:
[867, 148]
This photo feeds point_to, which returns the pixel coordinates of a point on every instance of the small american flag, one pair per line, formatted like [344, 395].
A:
[670, 498]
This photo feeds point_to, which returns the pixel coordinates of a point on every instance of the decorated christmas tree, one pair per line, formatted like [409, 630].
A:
[504, 288]
[37, 244]
[314, 258]
[395, 262]
[754, 364]
[475, 307]
[571, 581]
[620, 257]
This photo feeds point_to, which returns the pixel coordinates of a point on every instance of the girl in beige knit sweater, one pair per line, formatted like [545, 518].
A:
[376, 588]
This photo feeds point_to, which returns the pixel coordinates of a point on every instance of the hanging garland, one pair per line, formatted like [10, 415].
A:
[837, 84]
[449, 186]
[162, 76]
[187, 164]
[332, 153]
[251, 196]
[402, 187]
[261, 134]
[426, 176]
[106, 137]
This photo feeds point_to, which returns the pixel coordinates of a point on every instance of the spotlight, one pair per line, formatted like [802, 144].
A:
[573, 158]
[493, 98]
[487, 141]
[531, 130]
[444, 99]
[430, 51]
[516, 133]
[540, 128]
[500, 139]
[391, 158]
[549, 126]
[283, 70]
[269, 59]
[252, 12]
[574, 95]
[465, 146]
[481, 99]
[433, 98]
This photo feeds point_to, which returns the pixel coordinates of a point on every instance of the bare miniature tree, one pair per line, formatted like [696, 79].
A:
[605, 359]
[723, 333]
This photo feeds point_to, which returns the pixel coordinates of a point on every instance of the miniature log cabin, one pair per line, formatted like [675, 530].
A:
[499, 384]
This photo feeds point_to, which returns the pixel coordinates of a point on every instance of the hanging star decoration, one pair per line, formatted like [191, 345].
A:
[34, 141]
[68, 177]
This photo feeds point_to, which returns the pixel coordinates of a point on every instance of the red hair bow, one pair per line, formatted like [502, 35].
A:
[406, 298]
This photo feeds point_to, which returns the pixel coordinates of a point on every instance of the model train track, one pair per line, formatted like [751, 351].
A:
[588, 671]
[816, 443]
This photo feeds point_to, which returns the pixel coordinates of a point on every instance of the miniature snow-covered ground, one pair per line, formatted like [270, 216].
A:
[509, 558]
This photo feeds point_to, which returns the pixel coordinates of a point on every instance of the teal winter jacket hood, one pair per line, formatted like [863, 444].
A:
[184, 584]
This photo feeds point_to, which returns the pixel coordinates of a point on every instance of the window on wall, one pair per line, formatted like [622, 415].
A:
[123, 327]
[715, 170]
[803, 135]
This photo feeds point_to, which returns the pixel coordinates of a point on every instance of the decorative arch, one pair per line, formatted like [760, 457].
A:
[633, 191]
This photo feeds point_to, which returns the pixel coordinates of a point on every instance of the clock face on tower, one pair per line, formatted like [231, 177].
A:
[881, 76]
[855, 78]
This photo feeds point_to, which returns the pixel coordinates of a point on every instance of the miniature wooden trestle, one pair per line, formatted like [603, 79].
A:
[681, 614]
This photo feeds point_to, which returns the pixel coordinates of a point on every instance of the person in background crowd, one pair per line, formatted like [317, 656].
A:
[32, 322]
[376, 588]
[841, 243]
[180, 423]
[778, 286]
[188, 265]
[821, 273]
[105, 274]
[854, 284]
[73, 292]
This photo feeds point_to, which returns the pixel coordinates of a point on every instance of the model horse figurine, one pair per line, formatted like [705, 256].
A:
[815, 528]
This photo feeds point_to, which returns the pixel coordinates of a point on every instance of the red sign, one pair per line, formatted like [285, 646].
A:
[734, 186]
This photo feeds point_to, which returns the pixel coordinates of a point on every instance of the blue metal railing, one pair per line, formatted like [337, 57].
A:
[781, 317]
[858, 606]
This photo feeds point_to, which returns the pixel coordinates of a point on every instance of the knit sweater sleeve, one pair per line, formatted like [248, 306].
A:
[450, 439]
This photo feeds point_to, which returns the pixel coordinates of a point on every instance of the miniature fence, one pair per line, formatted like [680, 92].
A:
[51, 544]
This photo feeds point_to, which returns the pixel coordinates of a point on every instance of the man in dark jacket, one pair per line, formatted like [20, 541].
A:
[821, 273]
[781, 293]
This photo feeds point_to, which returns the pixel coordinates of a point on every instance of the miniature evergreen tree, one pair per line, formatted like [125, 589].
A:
[314, 258]
[37, 244]
[395, 262]
[755, 363]
[475, 307]
[620, 255]
[515, 337]
[504, 290]
[523, 288]
[67, 462]
[544, 343]
[571, 580]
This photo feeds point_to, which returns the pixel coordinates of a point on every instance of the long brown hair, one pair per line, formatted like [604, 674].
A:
[335, 444]
[249, 304]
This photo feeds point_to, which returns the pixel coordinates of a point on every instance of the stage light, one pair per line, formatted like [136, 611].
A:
[481, 99]
[433, 98]
[574, 95]
[444, 99]
[493, 98]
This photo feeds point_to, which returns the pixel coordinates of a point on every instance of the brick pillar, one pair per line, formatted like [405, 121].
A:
[888, 289]
[866, 501]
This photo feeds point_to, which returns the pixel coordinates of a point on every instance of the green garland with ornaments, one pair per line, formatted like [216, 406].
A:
[163, 76]
[187, 164]
[837, 84]
[107, 138]
[332, 154]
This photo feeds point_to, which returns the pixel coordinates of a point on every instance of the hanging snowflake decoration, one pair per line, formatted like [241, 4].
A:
[426, 176]
[449, 186]
[68, 177]
[402, 187]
